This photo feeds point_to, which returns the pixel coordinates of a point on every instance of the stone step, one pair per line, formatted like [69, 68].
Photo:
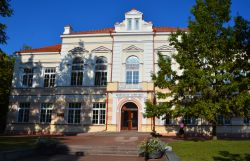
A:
[118, 151]
[115, 134]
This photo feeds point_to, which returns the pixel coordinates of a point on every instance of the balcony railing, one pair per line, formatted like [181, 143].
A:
[126, 86]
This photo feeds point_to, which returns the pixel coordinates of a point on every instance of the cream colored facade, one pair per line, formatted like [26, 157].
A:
[116, 105]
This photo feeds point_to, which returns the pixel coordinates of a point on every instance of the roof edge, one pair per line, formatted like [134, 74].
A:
[52, 48]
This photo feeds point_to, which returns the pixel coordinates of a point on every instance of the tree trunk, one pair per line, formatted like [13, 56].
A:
[214, 133]
[153, 124]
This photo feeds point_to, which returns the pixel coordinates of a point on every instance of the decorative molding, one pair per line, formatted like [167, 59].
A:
[133, 48]
[101, 49]
[78, 50]
[165, 48]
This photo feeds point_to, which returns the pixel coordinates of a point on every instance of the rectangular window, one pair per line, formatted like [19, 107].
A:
[129, 23]
[23, 112]
[189, 120]
[27, 77]
[100, 78]
[76, 78]
[246, 120]
[46, 112]
[49, 77]
[168, 78]
[132, 77]
[169, 120]
[222, 120]
[74, 113]
[137, 24]
[99, 113]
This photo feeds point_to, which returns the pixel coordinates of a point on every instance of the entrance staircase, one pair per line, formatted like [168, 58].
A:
[109, 143]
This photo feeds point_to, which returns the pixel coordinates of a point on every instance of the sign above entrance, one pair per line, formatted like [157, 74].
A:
[122, 95]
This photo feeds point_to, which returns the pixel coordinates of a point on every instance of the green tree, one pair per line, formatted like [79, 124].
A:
[6, 71]
[5, 11]
[162, 80]
[6, 66]
[214, 60]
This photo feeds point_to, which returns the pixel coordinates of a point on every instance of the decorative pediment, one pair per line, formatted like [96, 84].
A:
[165, 48]
[101, 49]
[78, 50]
[133, 12]
[133, 48]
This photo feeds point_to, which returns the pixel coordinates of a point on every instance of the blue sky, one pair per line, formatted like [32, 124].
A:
[39, 23]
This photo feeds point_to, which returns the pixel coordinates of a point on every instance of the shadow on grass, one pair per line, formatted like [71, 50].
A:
[227, 156]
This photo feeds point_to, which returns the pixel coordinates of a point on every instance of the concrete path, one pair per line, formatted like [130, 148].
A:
[87, 158]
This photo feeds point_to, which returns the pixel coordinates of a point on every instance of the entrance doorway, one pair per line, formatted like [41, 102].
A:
[129, 116]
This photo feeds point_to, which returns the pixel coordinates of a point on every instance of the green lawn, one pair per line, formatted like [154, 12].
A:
[11, 143]
[213, 150]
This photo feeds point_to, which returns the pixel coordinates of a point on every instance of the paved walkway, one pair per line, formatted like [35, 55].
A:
[127, 139]
[87, 158]
[101, 141]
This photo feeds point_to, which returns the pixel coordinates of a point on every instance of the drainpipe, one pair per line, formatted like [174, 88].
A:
[154, 99]
[107, 94]
[111, 70]
[107, 105]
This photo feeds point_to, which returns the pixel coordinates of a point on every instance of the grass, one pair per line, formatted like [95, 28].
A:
[212, 150]
[12, 143]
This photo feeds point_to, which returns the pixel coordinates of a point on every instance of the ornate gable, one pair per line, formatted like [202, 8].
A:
[133, 48]
[133, 22]
[165, 48]
[78, 50]
[101, 49]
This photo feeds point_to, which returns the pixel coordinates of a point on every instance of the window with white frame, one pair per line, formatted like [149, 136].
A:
[137, 20]
[101, 71]
[169, 120]
[168, 77]
[129, 20]
[246, 120]
[74, 113]
[49, 77]
[27, 77]
[132, 70]
[189, 120]
[222, 120]
[77, 71]
[99, 113]
[46, 112]
[23, 112]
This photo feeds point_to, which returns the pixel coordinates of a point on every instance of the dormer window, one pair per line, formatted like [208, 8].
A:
[129, 23]
[137, 24]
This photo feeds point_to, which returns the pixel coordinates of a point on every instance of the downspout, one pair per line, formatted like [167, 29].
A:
[107, 103]
[107, 96]
[154, 99]
[112, 51]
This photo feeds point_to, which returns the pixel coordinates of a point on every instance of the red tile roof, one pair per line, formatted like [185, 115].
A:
[168, 29]
[105, 30]
[54, 48]
[57, 48]
[112, 30]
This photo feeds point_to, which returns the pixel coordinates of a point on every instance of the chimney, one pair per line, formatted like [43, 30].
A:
[67, 29]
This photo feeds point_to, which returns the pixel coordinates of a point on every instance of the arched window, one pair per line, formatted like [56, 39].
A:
[77, 71]
[101, 71]
[132, 70]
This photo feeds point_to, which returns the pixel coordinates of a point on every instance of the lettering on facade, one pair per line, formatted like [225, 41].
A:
[130, 95]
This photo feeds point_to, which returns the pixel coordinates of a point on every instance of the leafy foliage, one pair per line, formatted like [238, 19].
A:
[6, 66]
[6, 70]
[5, 11]
[152, 108]
[214, 59]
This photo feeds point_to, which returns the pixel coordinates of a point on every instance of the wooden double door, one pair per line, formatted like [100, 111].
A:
[129, 117]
